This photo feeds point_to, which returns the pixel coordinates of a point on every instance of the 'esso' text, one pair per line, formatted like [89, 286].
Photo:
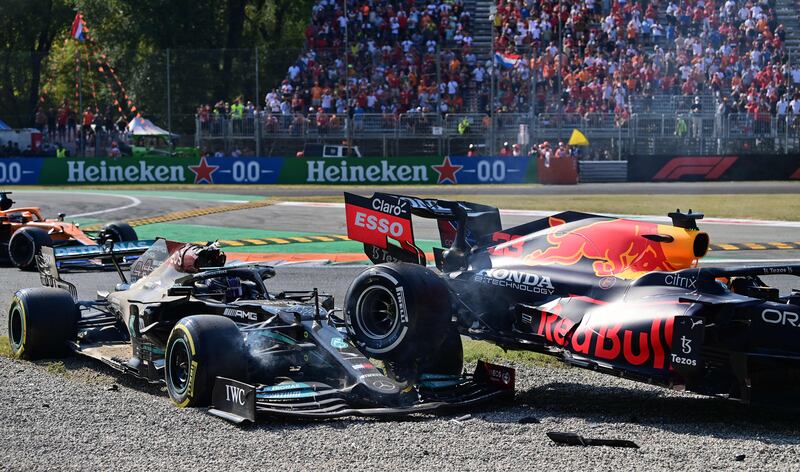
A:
[382, 225]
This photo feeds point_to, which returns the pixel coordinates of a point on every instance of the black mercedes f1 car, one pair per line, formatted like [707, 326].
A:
[620, 296]
[214, 333]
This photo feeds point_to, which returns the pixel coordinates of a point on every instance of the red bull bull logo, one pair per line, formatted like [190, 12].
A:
[616, 248]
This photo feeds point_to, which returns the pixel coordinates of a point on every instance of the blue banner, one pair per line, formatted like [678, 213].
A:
[246, 170]
[493, 170]
[21, 170]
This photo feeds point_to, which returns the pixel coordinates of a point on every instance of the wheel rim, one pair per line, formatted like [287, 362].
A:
[21, 250]
[179, 366]
[16, 328]
[377, 313]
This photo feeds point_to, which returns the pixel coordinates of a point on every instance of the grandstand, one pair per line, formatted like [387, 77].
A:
[636, 76]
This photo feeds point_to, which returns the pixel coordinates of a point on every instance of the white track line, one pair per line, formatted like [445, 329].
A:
[134, 201]
[161, 197]
[542, 213]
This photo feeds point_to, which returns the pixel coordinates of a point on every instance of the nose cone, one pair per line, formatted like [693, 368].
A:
[380, 390]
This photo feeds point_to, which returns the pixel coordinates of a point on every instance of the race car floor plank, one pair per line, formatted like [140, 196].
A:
[113, 351]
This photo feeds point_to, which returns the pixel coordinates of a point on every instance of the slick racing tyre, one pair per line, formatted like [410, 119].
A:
[200, 348]
[40, 322]
[117, 232]
[25, 244]
[398, 312]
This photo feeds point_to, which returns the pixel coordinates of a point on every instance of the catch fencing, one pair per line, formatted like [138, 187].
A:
[611, 136]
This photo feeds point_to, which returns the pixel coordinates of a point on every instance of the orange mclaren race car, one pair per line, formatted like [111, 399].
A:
[23, 232]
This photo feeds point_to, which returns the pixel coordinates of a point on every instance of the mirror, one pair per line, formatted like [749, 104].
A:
[5, 202]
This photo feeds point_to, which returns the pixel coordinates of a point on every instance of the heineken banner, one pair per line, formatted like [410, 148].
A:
[268, 170]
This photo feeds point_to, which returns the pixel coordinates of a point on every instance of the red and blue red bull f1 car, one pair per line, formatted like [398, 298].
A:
[620, 296]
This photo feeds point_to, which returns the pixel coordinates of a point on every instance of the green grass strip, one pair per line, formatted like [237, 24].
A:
[482, 350]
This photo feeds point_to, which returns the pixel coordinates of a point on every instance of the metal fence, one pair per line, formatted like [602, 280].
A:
[417, 133]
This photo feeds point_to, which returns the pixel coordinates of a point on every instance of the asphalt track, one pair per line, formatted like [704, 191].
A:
[93, 206]
[127, 205]
[636, 188]
[71, 418]
[120, 204]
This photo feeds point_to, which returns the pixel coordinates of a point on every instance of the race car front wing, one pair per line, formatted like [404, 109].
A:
[238, 401]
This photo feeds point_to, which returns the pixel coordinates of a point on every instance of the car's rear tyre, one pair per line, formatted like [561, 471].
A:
[398, 312]
[40, 322]
[25, 244]
[117, 232]
[200, 348]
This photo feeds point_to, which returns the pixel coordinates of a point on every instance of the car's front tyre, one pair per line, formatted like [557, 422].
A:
[201, 348]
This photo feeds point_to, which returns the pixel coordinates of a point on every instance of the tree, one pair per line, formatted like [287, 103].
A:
[28, 29]
[212, 44]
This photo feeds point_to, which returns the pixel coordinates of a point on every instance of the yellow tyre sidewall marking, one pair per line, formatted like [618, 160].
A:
[192, 370]
[19, 352]
[189, 338]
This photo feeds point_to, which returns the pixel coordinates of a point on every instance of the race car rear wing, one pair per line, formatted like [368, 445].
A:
[382, 218]
[50, 260]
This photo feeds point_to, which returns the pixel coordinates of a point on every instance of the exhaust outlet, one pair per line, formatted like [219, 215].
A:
[700, 245]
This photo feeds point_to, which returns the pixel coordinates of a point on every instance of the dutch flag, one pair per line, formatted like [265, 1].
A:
[78, 28]
[507, 60]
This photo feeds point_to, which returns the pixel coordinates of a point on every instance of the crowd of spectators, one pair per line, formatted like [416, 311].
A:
[617, 49]
[401, 57]
[63, 124]
[238, 109]
[62, 128]
[12, 149]
[391, 57]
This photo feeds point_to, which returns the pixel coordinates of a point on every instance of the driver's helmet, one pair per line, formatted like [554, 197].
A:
[16, 217]
[231, 287]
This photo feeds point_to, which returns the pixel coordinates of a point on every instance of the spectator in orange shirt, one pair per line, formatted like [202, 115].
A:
[316, 95]
[86, 123]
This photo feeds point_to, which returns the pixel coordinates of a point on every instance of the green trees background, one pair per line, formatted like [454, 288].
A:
[212, 52]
